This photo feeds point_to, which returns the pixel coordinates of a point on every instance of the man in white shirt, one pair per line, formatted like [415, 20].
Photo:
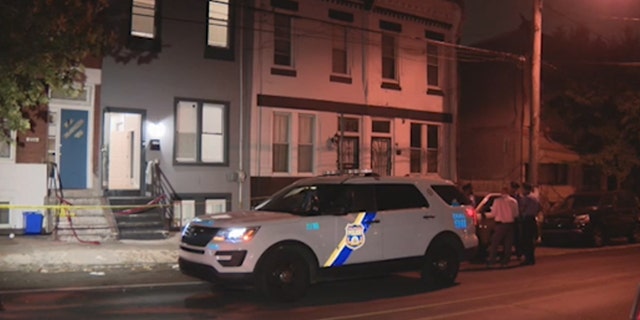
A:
[505, 211]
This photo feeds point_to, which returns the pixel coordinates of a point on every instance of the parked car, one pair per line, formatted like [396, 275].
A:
[594, 218]
[323, 227]
[485, 224]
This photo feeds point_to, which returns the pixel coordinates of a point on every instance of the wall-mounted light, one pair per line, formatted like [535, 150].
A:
[155, 130]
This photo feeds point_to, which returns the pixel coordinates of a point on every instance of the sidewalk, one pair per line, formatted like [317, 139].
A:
[29, 253]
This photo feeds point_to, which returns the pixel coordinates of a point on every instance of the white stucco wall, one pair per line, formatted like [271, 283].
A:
[24, 186]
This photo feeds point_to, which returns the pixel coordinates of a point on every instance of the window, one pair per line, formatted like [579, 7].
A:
[416, 148]
[399, 196]
[8, 148]
[433, 144]
[389, 57]
[282, 41]
[381, 126]
[219, 30]
[553, 174]
[143, 18]
[280, 142]
[215, 205]
[433, 59]
[339, 55]
[201, 133]
[349, 144]
[4, 212]
[451, 194]
[306, 128]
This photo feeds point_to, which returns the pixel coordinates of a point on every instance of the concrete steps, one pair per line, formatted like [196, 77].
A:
[90, 220]
[146, 225]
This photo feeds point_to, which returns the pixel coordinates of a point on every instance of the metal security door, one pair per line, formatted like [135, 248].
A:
[73, 148]
[381, 156]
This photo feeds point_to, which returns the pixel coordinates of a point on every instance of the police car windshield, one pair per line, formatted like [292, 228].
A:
[312, 200]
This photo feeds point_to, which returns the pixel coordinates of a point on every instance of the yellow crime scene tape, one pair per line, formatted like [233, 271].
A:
[64, 210]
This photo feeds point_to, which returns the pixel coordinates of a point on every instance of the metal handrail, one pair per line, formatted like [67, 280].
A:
[161, 187]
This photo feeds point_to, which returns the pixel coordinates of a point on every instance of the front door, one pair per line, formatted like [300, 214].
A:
[122, 151]
[74, 148]
[381, 156]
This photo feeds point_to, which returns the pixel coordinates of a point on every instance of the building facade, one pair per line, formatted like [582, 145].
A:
[234, 99]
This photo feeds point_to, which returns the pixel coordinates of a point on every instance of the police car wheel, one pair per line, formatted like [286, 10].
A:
[283, 275]
[441, 266]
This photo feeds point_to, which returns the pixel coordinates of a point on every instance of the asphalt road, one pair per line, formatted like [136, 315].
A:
[591, 284]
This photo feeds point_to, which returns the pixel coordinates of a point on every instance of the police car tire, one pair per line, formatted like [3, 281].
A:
[283, 274]
[441, 266]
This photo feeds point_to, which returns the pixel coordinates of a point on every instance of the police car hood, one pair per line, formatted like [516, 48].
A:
[243, 218]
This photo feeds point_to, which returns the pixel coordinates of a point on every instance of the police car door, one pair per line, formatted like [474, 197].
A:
[407, 223]
[358, 237]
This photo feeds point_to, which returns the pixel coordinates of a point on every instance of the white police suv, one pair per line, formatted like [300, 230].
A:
[324, 227]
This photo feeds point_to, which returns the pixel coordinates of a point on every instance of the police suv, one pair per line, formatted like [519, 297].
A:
[330, 226]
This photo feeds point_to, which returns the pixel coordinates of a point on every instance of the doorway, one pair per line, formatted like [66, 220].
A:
[122, 151]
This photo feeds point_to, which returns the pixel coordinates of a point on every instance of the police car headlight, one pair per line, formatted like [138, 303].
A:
[236, 234]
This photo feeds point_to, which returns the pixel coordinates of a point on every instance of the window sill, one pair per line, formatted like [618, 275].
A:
[391, 86]
[284, 72]
[435, 92]
[340, 79]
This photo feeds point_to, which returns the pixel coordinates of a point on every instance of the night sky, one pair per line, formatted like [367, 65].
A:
[487, 18]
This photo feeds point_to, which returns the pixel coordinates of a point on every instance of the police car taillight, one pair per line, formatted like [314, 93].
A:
[471, 213]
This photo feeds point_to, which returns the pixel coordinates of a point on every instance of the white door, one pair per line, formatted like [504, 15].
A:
[122, 143]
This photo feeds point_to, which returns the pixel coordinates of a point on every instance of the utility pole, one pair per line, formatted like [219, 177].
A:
[534, 116]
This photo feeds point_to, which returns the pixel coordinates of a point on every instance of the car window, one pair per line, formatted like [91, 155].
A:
[625, 200]
[607, 200]
[580, 201]
[451, 194]
[321, 199]
[399, 196]
[345, 198]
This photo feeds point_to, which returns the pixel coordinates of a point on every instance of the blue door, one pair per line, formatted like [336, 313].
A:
[73, 148]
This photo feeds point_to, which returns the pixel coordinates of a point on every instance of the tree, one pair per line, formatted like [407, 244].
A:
[42, 46]
[599, 102]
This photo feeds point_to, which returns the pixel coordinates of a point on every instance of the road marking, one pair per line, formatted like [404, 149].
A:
[489, 296]
[106, 287]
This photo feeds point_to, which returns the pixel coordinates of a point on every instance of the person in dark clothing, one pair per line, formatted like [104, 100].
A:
[529, 209]
[514, 192]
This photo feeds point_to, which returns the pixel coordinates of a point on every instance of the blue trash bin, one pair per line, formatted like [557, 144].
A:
[32, 222]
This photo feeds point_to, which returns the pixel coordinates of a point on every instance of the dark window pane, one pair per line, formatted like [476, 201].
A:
[350, 124]
[449, 193]
[381, 126]
[339, 62]
[432, 76]
[432, 136]
[416, 135]
[432, 161]
[399, 196]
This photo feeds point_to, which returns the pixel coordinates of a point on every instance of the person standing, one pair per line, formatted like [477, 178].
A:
[467, 189]
[529, 209]
[505, 211]
[514, 191]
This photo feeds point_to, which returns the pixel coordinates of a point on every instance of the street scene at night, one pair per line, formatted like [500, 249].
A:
[320, 159]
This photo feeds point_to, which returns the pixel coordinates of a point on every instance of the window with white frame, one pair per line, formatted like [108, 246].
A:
[433, 59]
[215, 205]
[143, 14]
[218, 24]
[282, 41]
[339, 63]
[280, 153]
[306, 127]
[389, 62]
[433, 147]
[201, 133]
